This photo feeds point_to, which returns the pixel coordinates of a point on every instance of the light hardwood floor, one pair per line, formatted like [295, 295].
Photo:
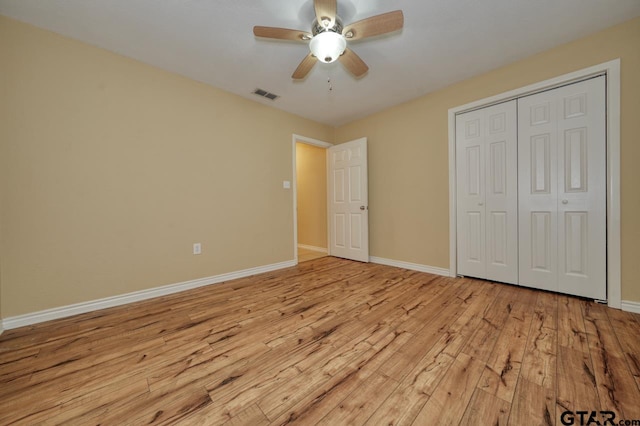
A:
[306, 254]
[328, 342]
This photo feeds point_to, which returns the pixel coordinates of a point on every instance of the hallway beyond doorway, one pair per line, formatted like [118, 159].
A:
[306, 254]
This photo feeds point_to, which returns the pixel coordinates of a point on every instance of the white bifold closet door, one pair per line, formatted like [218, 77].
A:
[562, 189]
[487, 202]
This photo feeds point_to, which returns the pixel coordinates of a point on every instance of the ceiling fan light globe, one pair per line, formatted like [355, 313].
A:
[327, 46]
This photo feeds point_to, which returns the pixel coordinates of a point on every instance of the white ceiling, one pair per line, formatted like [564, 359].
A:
[443, 41]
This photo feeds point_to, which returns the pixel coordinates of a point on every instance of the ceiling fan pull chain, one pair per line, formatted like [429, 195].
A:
[329, 83]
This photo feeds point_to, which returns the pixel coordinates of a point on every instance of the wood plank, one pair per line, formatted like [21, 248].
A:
[320, 401]
[482, 341]
[486, 409]
[398, 366]
[404, 404]
[539, 362]
[291, 395]
[252, 415]
[617, 389]
[533, 404]
[72, 409]
[627, 330]
[72, 385]
[358, 406]
[406, 401]
[571, 330]
[166, 406]
[452, 395]
[502, 370]
[535, 394]
[245, 386]
[577, 388]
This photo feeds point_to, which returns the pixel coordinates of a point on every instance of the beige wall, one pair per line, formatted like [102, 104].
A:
[112, 169]
[408, 158]
[311, 168]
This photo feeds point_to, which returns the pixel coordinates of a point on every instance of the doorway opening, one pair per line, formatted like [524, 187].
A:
[310, 198]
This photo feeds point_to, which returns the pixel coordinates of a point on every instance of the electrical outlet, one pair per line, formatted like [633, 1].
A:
[197, 248]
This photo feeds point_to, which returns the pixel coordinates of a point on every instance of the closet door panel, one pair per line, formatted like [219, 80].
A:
[582, 189]
[501, 198]
[562, 192]
[470, 170]
[486, 167]
[537, 192]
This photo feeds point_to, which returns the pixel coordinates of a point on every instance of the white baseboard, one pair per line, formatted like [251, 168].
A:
[137, 296]
[630, 306]
[313, 248]
[411, 266]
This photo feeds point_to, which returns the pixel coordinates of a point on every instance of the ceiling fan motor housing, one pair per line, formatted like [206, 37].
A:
[327, 43]
[320, 27]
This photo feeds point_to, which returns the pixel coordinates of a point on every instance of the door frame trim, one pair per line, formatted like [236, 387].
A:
[612, 71]
[309, 141]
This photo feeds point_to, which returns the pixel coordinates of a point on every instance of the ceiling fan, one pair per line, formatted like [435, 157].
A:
[328, 37]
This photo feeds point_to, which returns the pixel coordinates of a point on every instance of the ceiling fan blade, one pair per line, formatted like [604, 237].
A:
[376, 25]
[305, 66]
[281, 33]
[353, 63]
[326, 9]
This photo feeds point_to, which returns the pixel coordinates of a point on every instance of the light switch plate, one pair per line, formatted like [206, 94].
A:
[286, 184]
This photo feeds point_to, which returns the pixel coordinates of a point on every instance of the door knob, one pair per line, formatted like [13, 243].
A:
[481, 204]
[565, 201]
[361, 207]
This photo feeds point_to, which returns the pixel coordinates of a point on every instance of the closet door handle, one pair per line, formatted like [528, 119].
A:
[481, 204]
[565, 201]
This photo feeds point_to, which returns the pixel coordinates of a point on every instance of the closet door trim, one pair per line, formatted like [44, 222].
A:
[611, 70]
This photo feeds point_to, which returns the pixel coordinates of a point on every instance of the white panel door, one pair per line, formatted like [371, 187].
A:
[537, 192]
[470, 172]
[348, 201]
[562, 189]
[501, 191]
[486, 167]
